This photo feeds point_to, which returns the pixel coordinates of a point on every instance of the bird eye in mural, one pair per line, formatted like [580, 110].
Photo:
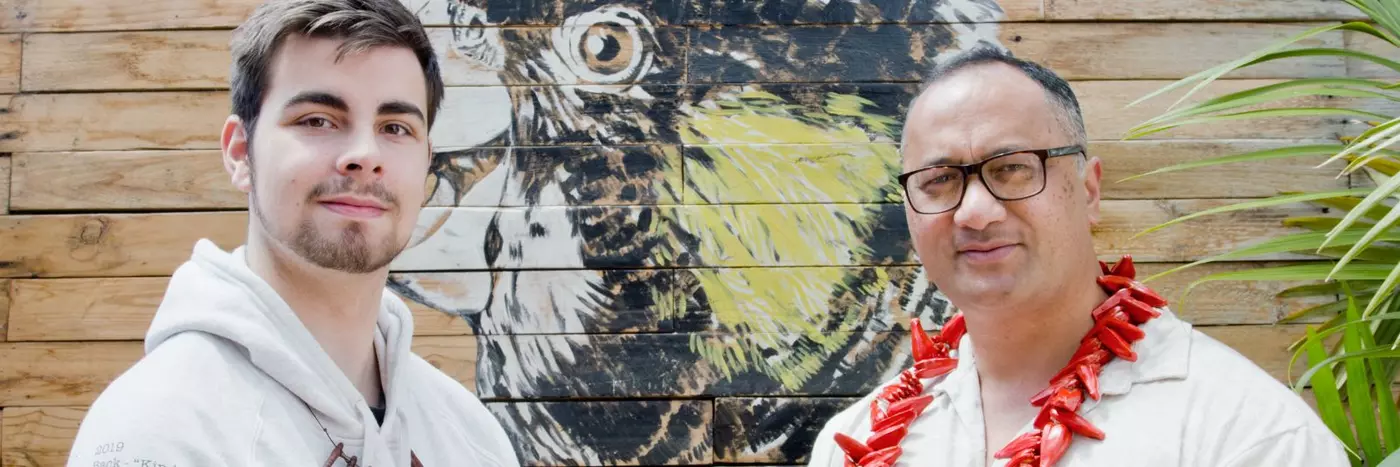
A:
[643, 204]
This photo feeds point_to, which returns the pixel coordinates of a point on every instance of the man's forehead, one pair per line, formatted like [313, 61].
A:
[370, 77]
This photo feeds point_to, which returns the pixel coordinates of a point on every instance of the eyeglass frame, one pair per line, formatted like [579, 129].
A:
[976, 168]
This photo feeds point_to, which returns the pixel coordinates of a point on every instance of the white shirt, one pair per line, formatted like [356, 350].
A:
[1188, 400]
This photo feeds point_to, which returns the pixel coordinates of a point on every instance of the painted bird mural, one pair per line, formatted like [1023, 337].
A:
[643, 221]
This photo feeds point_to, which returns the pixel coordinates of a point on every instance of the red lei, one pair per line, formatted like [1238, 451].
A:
[1116, 323]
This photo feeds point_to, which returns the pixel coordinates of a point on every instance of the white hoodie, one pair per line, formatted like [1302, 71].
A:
[231, 377]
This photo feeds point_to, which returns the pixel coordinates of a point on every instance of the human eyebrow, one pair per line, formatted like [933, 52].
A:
[401, 108]
[319, 98]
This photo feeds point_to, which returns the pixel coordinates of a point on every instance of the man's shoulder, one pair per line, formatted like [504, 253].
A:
[457, 417]
[175, 405]
[1233, 406]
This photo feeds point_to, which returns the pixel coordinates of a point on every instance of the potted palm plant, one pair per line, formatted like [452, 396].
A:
[1353, 353]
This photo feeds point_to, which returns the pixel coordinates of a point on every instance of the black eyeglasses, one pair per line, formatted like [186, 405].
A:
[1007, 176]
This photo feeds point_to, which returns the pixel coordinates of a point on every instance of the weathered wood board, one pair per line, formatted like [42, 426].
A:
[122, 180]
[11, 53]
[1189, 10]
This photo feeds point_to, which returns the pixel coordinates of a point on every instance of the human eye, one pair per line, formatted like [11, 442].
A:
[398, 129]
[316, 122]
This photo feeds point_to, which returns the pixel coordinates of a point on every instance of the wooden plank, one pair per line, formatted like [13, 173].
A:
[5, 188]
[118, 245]
[1100, 51]
[1194, 239]
[790, 113]
[5, 293]
[487, 12]
[39, 436]
[74, 373]
[1123, 159]
[77, 15]
[820, 53]
[1077, 51]
[121, 308]
[687, 365]
[771, 429]
[1370, 44]
[739, 12]
[110, 121]
[199, 59]
[1235, 10]
[61, 373]
[129, 180]
[1107, 117]
[126, 60]
[631, 432]
[11, 47]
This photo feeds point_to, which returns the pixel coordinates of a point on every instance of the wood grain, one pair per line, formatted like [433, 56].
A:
[1266, 346]
[61, 373]
[819, 53]
[771, 429]
[199, 59]
[123, 60]
[117, 245]
[1370, 44]
[121, 308]
[5, 293]
[1107, 116]
[1190, 240]
[1108, 51]
[1123, 159]
[126, 180]
[740, 12]
[74, 373]
[11, 55]
[77, 15]
[5, 180]
[38, 436]
[1238, 10]
[111, 121]
[627, 432]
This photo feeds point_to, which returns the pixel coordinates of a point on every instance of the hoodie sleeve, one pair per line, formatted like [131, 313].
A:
[134, 433]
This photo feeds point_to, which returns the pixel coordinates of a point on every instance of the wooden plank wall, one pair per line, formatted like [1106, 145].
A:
[761, 138]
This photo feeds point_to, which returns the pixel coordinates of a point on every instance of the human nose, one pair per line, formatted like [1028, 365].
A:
[362, 157]
[979, 208]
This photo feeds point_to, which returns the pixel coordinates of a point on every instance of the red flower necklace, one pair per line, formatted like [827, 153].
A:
[1116, 323]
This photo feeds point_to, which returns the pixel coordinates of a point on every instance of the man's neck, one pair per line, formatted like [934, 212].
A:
[340, 310]
[1021, 347]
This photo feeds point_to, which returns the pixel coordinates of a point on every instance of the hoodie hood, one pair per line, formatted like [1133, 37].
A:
[217, 294]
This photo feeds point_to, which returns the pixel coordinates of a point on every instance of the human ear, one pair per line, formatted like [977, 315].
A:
[1093, 177]
[234, 143]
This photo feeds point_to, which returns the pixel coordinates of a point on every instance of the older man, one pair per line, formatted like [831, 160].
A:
[1054, 357]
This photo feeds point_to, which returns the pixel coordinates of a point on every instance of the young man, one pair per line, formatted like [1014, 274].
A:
[1054, 358]
[289, 350]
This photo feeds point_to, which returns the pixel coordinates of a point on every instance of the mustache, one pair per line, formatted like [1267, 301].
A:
[345, 185]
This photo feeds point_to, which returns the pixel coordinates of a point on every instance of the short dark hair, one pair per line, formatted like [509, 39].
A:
[362, 24]
[1057, 90]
